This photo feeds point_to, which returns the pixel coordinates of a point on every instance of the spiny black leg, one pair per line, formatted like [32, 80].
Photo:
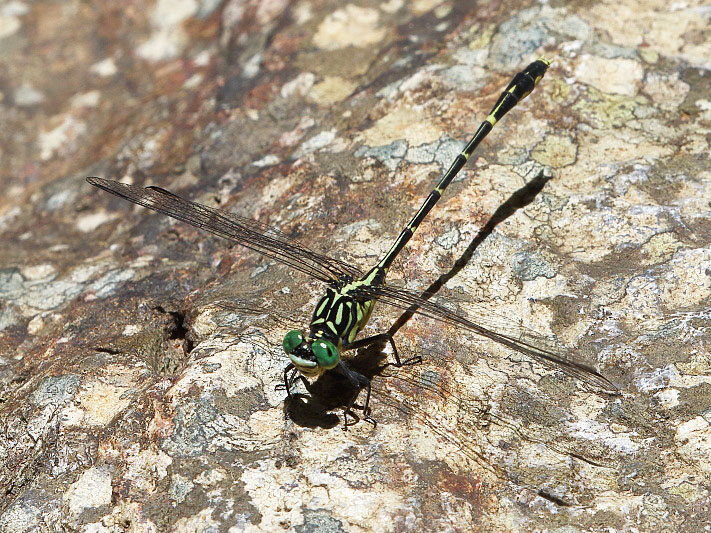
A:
[380, 338]
[288, 382]
[358, 382]
[366, 405]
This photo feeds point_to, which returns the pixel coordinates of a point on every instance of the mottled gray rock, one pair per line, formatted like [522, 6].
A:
[139, 356]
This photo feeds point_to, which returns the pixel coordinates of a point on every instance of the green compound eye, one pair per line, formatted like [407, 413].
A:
[292, 340]
[326, 354]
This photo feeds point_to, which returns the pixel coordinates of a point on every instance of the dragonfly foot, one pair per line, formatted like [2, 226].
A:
[349, 412]
[370, 420]
[346, 413]
[289, 380]
[412, 361]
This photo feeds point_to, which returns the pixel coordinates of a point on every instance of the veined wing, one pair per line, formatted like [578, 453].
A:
[244, 231]
[497, 328]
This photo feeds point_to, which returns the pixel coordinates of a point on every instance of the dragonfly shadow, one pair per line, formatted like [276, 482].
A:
[332, 391]
[518, 200]
[308, 410]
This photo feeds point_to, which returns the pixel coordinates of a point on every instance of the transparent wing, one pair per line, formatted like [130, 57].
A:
[244, 231]
[497, 328]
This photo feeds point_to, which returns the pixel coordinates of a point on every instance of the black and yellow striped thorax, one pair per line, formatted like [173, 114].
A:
[340, 315]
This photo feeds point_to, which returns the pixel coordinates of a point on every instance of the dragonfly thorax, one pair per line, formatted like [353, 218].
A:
[339, 316]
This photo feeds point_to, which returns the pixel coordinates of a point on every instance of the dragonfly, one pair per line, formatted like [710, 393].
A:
[350, 295]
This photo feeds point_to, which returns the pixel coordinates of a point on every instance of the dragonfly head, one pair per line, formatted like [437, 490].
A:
[310, 358]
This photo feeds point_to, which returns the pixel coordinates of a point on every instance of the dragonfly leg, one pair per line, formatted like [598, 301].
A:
[359, 382]
[366, 408]
[288, 381]
[360, 343]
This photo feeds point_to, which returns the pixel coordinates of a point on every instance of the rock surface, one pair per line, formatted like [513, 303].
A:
[130, 401]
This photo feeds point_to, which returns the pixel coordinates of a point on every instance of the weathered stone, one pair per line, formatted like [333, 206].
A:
[139, 356]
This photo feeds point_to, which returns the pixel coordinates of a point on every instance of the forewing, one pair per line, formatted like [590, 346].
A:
[494, 327]
[244, 231]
